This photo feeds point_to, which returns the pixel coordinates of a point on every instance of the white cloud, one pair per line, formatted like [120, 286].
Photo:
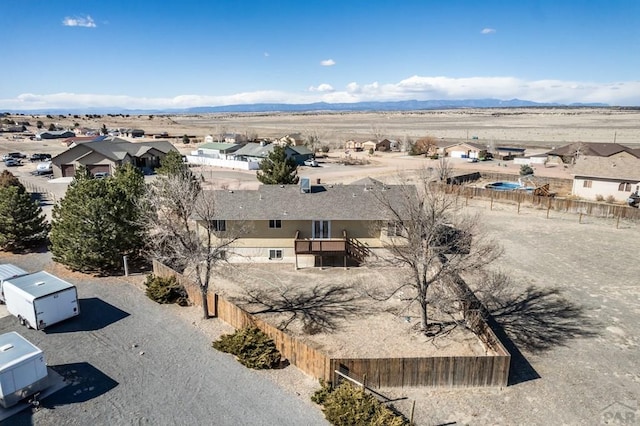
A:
[624, 93]
[266, 54]
[488, 31]
[328, 63]
[324, 87]
[80, 21]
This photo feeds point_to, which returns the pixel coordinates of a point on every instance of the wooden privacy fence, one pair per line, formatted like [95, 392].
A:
[591, 208]
[455, 371]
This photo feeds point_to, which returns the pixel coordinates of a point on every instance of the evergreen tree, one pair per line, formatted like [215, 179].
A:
[277, 169]
[96, 223]
[22, 223]
[172, 163]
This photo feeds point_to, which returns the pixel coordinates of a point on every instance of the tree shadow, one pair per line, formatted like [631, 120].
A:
[536, 320]
[319, 308]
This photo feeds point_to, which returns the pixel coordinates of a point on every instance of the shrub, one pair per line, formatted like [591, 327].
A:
[599, 197]
[525, 170]
[252, 347]
[325, 148]
[166, 290]
[610, 199]
[347, 405]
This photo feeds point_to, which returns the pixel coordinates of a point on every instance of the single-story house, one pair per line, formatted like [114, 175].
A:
[294, 139]
[465, 150]
[385, 145]
[606, 176]
[259, 151]
[13, 128]
[106, 155]
[509, 152]
[221, 150]
[354, 145]
[369, 146]
[569, 153]
[308, 225]
[55, 134]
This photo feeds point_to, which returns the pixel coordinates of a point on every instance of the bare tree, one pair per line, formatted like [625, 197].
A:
[444, 169]
[377, 132]
[312, 139]
[184, 230]
[433, 238]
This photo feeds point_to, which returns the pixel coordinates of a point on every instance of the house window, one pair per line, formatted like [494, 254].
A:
[275, 223]
[587, 183]
[275, 254]
[624, 186]
[219, 225]
[394, 229]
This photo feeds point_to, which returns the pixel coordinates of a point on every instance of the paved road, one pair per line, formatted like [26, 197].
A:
[130, 361]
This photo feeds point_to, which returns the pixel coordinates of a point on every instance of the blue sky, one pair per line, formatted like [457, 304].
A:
[150, 54]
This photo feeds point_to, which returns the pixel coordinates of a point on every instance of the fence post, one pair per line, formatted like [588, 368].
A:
[548, 206]
[580, 218]
[491, 206]
[413, 408]
[618, 220]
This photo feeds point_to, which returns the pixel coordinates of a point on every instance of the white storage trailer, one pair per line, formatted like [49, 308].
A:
[23, 370]
[9, 271]
[40, 299]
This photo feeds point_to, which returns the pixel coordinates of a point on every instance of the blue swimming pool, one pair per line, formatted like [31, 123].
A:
[507, 186]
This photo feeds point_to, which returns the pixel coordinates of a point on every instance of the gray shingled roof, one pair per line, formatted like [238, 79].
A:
[621, 168]
[599, 149]
[117, 149]
[324, 202]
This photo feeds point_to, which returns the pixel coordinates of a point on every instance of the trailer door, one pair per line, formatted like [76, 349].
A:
[56, 307]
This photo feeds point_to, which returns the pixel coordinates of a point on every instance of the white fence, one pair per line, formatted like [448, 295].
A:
[217, 162]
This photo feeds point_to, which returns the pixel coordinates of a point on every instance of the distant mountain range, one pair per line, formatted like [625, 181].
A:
[411, 105]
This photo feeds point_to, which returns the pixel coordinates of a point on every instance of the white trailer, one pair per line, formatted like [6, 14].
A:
[40, 299]
[9, 271]
[23, 370]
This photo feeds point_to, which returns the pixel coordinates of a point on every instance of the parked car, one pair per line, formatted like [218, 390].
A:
[311, 163]
[11, 162]
[472, 160]
[39, 157]
[44, 168]
[101, 175]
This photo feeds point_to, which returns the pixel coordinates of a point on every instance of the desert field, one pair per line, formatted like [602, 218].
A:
[529, 127]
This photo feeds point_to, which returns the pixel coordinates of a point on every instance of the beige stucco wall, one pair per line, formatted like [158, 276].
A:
[603, 188]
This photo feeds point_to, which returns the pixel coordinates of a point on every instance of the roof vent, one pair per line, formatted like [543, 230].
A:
[6, 347]
[39, 283]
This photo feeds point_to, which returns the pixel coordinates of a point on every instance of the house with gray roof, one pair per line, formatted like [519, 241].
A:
[309, 225]
[217, 149]
[616, 176]
[256, 152]
[569, 153]
[106, 155]
[55, 134]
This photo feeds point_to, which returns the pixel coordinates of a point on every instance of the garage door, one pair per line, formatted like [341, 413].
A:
[68, 170]
[98, 168]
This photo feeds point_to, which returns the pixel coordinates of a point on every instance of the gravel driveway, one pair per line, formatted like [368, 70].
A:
[132, 361]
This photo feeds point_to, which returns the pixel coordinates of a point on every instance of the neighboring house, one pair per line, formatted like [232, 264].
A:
[217, 150]
[106, 155]
[256, 152]
[14, 129]
[134, 133]
[80, 139]
[352, 144]
[234, 138]
[55, 134]
[508, 152]
[383, 145]
[307, 225]
[569, 153]
[294, 139]
[465, 150]
[369, 146]
[606, 176]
